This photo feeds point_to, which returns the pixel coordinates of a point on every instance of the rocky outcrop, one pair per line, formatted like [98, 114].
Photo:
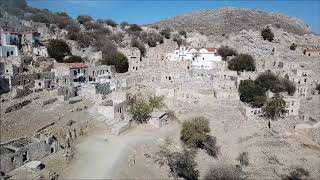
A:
[231, 20]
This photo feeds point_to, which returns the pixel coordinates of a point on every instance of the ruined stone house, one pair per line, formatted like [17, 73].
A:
[17, 152]
[311, 51]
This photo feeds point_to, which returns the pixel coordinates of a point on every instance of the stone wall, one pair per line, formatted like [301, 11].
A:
[17, 152]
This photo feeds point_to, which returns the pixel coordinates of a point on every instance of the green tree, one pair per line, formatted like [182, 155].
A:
[194, 132]
[242, 62]
[293, 46]
[297, 173]
[288, 86]
[58, 49]
[140, 110]
[225, 51]
[84, 18]
[111, 23]
[119, 60]
[73, 59]
[166, 33]
[267, 34]
[135, 42]
[182, 164]
[178, 39]
[156, 102]
[318, 87]
[134, 28]
[152, 38]
[275, 107]
[210, 145]
[251, 93]
[268, 81]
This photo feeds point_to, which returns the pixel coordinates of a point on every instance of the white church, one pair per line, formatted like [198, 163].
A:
[6, 49]
[202, 58]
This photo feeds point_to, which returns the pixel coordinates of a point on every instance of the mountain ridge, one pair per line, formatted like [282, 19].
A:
[231, 20]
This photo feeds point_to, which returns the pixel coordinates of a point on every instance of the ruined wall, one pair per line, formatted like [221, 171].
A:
[17, 152]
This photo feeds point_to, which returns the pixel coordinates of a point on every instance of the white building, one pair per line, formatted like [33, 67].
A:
[202, 58]
[7, 50]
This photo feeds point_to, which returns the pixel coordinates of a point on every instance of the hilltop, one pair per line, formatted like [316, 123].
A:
[231, 20]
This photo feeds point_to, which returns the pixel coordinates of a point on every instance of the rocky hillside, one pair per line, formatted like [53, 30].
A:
[228, 20]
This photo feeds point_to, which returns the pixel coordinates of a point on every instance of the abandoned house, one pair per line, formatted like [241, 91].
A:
[17, 152]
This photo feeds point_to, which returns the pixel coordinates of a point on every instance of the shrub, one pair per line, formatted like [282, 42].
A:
[171, 115]
[92, 25]
[267, 34]
[243, 158]
[152, 38]
[58, 49]
[102, 43]
[63, 14]
[156, 102]
[84, 40]
[140, 110]
[275, 107]
[178, 39]
[225, 51]
[267, 80]
[166, 33]
[252, 93]
[223, 173]
[242, 62]
[293, 46]
[270, 81]
[297, 174]
[138, 44]
[134, 28]
[183, 165]
[210, 145]
[195, 132]
[117, 37]
[84, 18]
[111, 23]
[71, 28]
[124, 24]
[288, 86]
[119, 60]
[318, 87]
[73, 59]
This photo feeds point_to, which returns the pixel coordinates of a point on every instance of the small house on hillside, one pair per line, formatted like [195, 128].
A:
[158, 119]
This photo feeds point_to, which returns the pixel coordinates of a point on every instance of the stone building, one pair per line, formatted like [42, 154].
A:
[86, 53]
[158, 119]
[292, 105]
[311, 52]
[250, 111]
[99, 73]
[27, 42]
[17, 152]
[66, 73]
[201, 58]
[40, 51]
[28, 80]
[6, 48]
[42, 84]
[134, 58]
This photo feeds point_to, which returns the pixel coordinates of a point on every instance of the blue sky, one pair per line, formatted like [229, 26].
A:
[148, 11]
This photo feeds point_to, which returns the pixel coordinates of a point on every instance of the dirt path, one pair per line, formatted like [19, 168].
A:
[99, 159]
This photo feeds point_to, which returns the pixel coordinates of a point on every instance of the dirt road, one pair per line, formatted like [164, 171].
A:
[99, 159]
